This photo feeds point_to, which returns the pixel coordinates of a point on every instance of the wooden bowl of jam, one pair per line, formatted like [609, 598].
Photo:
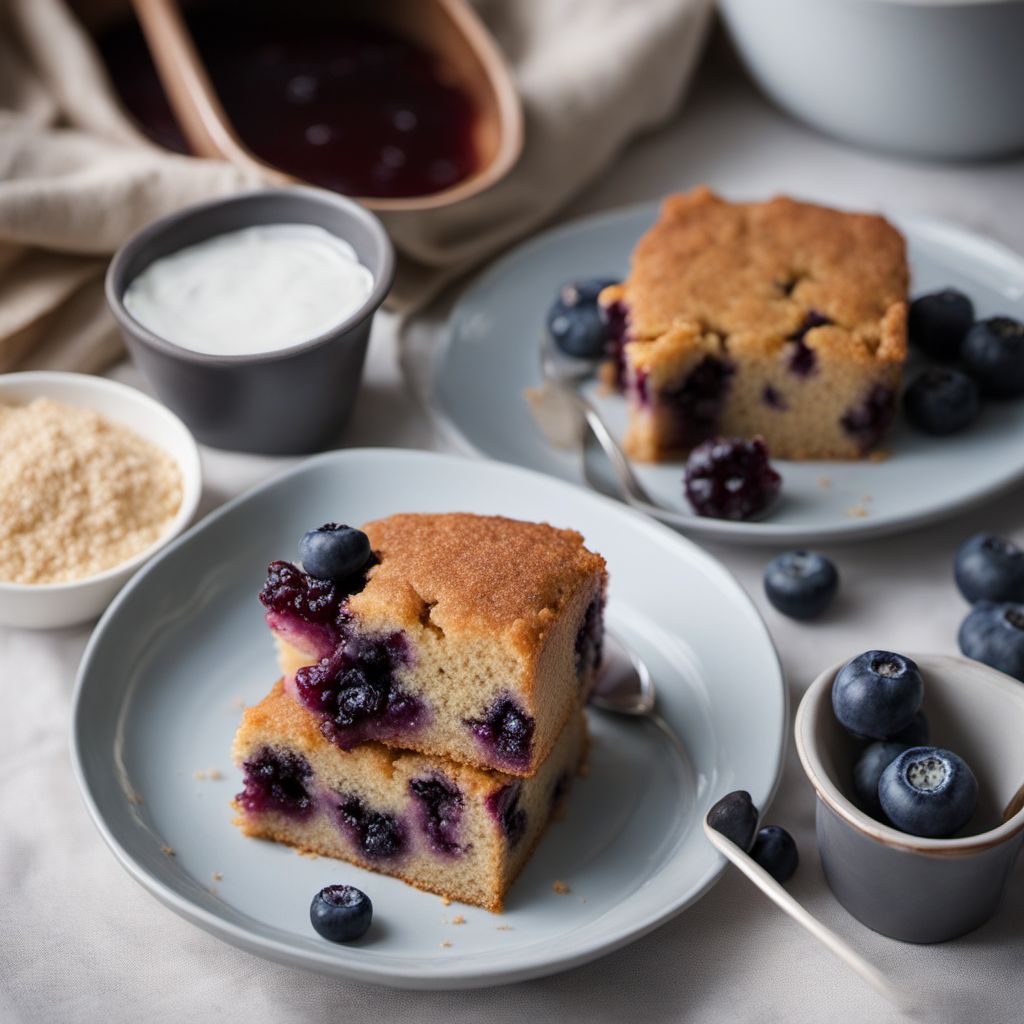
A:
[404, 105]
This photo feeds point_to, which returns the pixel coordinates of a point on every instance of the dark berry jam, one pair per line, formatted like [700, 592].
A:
[504, 806]
[308, 608]
[441, 804]
[355, 691]
[771, 397]
[867, 422]
[730, 478]
[590, 639]
[697, 402]
[277, 780]
[336, 102]
[506, 732]
[378, 835]
[289, 590]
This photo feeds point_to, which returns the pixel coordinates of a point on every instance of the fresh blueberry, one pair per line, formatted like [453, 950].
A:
[877, 694]
[993, 354]
[341, 913]
[942, 401]
[334, 552]
[867, 770]
[776, 852]
[735, 816]
[994, 634]
[801, 584]
[916, 734]
[938, 322]
[989, 568]
[584, 292]
[576, 322]
[730, 478]
[928, 792]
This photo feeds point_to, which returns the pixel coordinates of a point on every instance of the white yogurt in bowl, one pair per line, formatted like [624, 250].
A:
[248, 292]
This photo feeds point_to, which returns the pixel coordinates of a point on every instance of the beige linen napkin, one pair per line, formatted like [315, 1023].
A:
[76, 178]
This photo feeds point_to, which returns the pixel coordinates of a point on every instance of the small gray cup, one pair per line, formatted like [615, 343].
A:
[293, 401]
[904, 886]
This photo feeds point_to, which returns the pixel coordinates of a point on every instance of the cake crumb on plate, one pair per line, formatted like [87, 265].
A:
[561, 888]
[458, 919]
[167, 851]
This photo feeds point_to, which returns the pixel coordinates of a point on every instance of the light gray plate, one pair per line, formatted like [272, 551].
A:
[158, 696]
[490, 354]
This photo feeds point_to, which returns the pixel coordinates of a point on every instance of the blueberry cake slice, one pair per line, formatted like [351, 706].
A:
[469, 637]
[780, 319]
[459, 831]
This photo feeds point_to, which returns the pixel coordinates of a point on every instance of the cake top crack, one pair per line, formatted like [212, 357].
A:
[755, 275]
[460, 574]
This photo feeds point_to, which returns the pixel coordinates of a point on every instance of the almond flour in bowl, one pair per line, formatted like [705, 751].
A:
[79, 494]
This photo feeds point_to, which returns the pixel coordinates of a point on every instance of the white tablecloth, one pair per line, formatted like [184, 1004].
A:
[81, 942]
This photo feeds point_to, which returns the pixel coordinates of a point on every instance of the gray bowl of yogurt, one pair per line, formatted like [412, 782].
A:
[249, 316]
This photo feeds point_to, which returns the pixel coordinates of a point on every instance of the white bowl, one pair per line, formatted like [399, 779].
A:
[50, 605]
[929, 78]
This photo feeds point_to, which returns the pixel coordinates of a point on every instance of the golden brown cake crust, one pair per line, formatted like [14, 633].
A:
[489, 576]
[752, 271]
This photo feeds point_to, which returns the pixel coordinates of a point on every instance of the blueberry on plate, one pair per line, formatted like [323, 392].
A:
[916, 734]
[730, 478]
[735, 816]
[800, 584]
[341, 913]
[994, 634]
[938, 322]
[576, 321]
[867, 770]
[928, 792]
[877, 694]
[989, 568]
[776, 852]
[334, 552]
[941, 401]
[993, 354]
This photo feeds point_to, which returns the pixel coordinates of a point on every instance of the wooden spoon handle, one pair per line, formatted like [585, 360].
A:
[188, 88]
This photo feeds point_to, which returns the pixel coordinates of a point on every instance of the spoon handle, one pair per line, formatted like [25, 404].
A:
[879, 981]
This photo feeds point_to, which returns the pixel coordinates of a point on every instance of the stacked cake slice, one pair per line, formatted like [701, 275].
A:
[430, 717]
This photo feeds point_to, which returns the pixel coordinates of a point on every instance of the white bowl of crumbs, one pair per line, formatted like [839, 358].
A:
[95, 477]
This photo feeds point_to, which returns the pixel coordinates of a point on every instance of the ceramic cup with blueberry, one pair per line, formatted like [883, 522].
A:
[918, 769]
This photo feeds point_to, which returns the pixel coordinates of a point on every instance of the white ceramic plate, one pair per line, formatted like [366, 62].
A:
[158, 695]
[490, 354]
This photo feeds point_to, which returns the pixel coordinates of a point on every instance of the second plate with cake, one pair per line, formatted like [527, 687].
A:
[184, 655]
[474, 369]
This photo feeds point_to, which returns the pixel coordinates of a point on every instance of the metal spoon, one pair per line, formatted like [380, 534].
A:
[625, 687]
[567, 373]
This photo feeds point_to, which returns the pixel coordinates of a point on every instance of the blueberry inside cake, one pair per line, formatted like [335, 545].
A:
[472, 638]
[780, 319]
[445, 827]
